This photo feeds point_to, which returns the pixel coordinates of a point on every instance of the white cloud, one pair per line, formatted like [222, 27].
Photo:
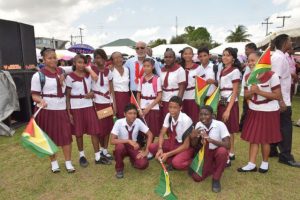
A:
[146, 34]
[111, 18]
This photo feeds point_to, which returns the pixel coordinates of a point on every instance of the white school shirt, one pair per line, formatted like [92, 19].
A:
[247, 71]
[147, 90]
[77, 88]
[267, 86]
[281, 67]
[103, 89]
[183, 123]
[227, 82]
[120, 130]
[175, 77]
[130, 64]
[120, 83]
[217, 131]
[210, 74]
[50, 87]
[190, 94]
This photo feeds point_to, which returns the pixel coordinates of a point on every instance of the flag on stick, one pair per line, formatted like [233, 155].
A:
[201, 89]
[213, 100]
[164, 187]
[198, 162]
[263, 65]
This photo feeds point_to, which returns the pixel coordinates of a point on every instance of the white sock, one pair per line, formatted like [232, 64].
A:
[97, 156]
[104, 151]
[231, 154]
[249, 166]
[81, 154]
[101, 149]
[54, 165]
[228, 161]
[69, 164]
[150, 155]
[264, 165]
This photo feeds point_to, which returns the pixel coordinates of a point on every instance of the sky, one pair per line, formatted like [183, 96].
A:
[104, 21]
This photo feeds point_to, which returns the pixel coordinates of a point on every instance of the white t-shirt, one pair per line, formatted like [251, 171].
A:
[147, 90]
[183, 123]
[281, 67]
[175, 77]
[217, 131]
[247, 71]
[272, 83]
[104, 89]
[189, 92]
[210, 74]
[50, 87]
[120, 130]
[226, 82]
[77, 88]
[121, 83]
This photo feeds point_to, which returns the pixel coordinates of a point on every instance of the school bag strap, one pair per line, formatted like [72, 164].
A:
[187, 133]
[42, 80]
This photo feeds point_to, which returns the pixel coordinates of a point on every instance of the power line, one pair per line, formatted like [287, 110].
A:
[283, 20]
[267, 25]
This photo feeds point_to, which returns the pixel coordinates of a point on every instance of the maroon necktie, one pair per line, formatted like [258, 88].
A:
[101, 78]
[59, 87]
[173, 136]
[166, 81]
[129, 132]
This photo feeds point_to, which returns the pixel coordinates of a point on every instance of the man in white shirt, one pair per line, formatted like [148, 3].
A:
[281, 67]
[135, 65]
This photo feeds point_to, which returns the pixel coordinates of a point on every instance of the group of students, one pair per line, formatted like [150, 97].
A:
[166, 100]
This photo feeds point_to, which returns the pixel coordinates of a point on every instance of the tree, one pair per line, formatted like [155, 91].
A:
[178, 39]
[238, 35]
[157, 42]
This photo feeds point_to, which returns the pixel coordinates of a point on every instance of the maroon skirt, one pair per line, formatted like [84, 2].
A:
[85, 121]
[191, 109]
[105, 124]
[122, 100]
[154, 122]
[56, 124]
[262, 127]
[232, 123]
[164, 109]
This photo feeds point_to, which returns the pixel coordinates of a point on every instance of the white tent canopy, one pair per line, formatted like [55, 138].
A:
[122, 49]
[295, 32]
[160, 50]
[239, 45]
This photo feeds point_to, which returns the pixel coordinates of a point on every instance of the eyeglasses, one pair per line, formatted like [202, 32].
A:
[138, 48]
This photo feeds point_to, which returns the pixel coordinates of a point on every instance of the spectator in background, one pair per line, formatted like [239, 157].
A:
[292, 65]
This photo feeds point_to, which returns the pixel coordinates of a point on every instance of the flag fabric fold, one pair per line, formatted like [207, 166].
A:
[198, 161]
[164, 187]
[37, 141]
[263, 65]
[201, 89]
[213, 100]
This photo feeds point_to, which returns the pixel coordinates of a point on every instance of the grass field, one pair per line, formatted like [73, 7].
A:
[24, 176]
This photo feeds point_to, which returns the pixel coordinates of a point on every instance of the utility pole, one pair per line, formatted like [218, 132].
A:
[267, 25]
[71, 40]
[80, 30]
[53, 43]
[176, 26]
[283, 20]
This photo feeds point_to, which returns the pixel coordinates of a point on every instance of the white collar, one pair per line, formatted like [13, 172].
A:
[124, 123]
[178, 119]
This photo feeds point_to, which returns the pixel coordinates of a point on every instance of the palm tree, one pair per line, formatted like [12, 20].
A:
[238, 35]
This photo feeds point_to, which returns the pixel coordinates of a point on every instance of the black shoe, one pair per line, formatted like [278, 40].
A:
[251, 170]
[119, 175]
[291, 163]
[170, 168]
[57, 170]
[232, 157]
[216, 186]
[108, 156]
[260, 170]
[83, 162]
[103, 161]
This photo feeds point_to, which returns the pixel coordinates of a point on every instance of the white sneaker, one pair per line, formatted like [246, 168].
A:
[150, 156]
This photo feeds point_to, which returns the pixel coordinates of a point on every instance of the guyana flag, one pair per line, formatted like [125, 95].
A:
[36, 140]
[198, 162]
[213, 100]
[164, 187]
[263, 65]
[201, 90]
[134, 101]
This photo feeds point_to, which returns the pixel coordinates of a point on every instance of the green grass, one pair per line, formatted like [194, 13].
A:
[24, 176]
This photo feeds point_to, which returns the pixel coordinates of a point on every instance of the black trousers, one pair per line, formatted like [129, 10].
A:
[286, 129]
[243, 117]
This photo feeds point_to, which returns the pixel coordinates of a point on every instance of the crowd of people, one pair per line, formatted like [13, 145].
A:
[167, 123]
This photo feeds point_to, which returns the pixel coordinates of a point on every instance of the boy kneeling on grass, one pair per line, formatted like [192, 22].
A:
[124, 136]
[175, 150]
